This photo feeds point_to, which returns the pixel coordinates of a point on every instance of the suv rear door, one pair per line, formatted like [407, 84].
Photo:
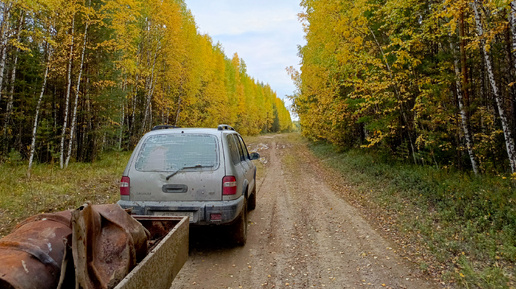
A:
[178, 167]
[237, 168]
[246, 161]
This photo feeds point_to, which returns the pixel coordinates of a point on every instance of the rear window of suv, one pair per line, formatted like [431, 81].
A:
[172, 152]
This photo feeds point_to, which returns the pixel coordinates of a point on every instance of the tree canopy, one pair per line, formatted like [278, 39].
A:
[428, 81]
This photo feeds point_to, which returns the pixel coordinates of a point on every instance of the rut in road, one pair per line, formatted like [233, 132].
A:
[301, 235]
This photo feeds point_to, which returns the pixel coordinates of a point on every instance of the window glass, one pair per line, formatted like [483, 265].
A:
[244, 148]
[233, 148]
[175, 151]
[240, 151]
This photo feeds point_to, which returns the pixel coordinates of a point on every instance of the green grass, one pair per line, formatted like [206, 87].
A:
[463, 226]
[51, 189]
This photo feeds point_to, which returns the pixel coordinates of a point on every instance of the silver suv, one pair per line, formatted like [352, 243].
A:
[204, 173]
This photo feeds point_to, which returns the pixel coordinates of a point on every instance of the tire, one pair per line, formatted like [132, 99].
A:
[239, 228]
[251, 205]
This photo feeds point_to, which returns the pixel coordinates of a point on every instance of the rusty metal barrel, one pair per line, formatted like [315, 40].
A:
[32, 254]
[93, 247]
[107, 243]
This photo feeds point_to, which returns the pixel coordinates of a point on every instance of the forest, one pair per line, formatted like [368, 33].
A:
[85, 76]
[430, 82]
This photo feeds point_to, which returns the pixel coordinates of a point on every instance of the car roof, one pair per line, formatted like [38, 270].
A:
[198, 130]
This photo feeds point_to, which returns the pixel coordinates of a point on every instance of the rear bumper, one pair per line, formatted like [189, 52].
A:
[200, 213]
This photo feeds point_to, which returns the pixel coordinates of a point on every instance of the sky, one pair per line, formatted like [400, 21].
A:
[264, 33]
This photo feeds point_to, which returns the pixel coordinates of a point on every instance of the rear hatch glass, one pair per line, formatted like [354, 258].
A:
[169, 153]
[177, 167]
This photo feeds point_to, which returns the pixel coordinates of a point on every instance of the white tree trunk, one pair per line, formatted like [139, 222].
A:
[148, 106]
[38, 106]
[10, 102]
[178, 111]
[67, 102]
[463, 115]
[512, 21]
[509, 142]
[74, 116]
[133, 113]
[3, 41]
[122, 120]
[150, 92]
[120, 137]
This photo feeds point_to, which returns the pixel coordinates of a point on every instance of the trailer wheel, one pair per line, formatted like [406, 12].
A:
[239, 228]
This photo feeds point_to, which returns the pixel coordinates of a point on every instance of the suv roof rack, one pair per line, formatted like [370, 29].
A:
[225, 127]
[163, 126]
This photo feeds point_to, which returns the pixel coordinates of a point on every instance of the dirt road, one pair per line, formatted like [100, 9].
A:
[301, 235]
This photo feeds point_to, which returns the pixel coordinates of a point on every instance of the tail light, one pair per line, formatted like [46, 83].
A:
[229, 185]
[124, 186]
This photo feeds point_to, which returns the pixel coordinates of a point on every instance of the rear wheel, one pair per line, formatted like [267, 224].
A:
[251, 205]
[239, 228]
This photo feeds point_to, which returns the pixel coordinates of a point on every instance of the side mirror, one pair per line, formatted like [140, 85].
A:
[254, 156]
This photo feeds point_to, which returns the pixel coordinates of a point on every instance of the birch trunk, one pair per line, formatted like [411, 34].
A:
[67, 102]
[509, 142]
[512, 21]
[150, 90]
[463, 114]
[10, 102]
[132, 126]
[133, 102]
[151, 120]
[74, 116]
[6, 15]
[120, 138]
[3, 42]
[148, 106]
[122, 120]
[38, 106]
[178, 111]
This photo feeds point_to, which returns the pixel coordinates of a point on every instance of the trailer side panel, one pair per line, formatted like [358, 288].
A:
[159, 268]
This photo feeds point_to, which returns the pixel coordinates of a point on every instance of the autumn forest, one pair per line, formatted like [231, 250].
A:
[84, 76]
[431, 82]
[426, 81]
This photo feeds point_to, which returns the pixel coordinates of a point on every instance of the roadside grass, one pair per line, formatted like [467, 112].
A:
[51, 189]
[458, 227]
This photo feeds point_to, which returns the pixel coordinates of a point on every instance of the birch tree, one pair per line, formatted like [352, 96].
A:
[9, 108]
[463, 114]
[512, 23]
[38, 107]
[4, 38]
[67, 96]
[509, 142]
[77, 90]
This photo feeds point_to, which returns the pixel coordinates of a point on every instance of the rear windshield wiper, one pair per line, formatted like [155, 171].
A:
[185, 168]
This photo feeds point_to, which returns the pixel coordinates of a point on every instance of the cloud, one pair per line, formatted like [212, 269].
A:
[231, 17]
